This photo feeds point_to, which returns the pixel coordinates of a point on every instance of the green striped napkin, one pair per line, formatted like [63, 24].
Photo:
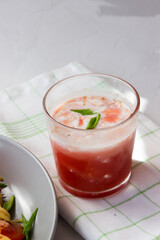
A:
[132, 214]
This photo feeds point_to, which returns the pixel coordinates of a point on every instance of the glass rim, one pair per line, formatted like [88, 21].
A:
[99, 129]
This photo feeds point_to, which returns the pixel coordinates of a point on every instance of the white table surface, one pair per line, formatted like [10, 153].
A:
[118, 37]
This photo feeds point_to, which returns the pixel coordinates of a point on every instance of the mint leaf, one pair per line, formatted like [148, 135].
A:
[93, 122]
[83, 111]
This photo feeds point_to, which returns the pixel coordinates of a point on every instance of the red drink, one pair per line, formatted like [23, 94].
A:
[92, 162]
[94, 173]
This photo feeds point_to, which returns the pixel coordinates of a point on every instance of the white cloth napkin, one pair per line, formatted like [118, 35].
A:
[134, 213]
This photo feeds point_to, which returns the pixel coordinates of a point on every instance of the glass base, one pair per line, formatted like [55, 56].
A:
[107, 193]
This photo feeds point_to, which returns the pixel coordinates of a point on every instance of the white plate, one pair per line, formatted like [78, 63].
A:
[30, 183]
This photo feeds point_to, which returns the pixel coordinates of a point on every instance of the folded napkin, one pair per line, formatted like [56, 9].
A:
[134, 213]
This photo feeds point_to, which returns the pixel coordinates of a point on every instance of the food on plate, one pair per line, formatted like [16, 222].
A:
[2, 237]
[13, 229]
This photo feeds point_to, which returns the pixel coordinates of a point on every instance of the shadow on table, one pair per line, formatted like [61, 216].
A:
[143, 8]
[65, 231]
[145, 175]
[144, 180]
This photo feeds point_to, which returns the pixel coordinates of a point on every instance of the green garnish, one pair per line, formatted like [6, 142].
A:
[93, 122]
[24, 223]
[8, 205]
[27, 225]
[3, 185]
[83, 111]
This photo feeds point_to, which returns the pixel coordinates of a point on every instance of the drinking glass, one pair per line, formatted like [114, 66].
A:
[92, 163]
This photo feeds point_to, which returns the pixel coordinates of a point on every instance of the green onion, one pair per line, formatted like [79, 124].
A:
[3, 185]
[27, 225]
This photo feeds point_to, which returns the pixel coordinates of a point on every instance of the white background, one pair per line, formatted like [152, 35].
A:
[118, 37]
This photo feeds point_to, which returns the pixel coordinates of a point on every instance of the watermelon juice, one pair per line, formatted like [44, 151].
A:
[92, 138]
[94, 172]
